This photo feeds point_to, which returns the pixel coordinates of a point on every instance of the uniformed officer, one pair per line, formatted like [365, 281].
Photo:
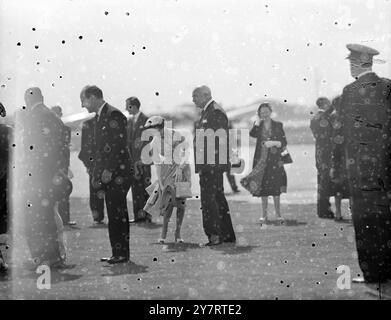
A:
[362, 133]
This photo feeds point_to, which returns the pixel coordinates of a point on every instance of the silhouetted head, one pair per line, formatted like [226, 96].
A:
[323, 103]
[32, 97]
[3, 112]
[91, 98]
[361, 58]
[201, 96]
[133, 105]
[265, 111]
[57, 111]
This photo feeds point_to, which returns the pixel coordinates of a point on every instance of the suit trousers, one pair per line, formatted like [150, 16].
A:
[3, 205]
[371, 221]
[117, 213]
[232, 182]
[63, 210]
[323, 204]
[139, 194]
[215, 211]
[96, 203]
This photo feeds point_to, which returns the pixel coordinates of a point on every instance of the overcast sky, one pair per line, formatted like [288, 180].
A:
[243, 50]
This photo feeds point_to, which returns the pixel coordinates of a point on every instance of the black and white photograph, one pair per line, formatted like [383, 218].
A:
[193, 150]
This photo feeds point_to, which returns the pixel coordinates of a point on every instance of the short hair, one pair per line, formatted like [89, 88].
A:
[264, 105]
[321, 101]
[33, 96]
[205, 90]
[57, 110]
[134, 101]
[3, 112]
[92, 91]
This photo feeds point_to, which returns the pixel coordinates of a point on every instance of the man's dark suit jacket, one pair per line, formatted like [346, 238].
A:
[5, 138]
[135, 130]
[215, 118]
[110, 140]
[87, 150]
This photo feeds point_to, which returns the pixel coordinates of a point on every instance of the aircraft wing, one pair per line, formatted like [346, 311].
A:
[75, 120]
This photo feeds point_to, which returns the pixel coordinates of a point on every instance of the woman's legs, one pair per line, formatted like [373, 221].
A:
[264, 208]
[166, 220]
[60, 232]
[338, 200]
[276, 200]
[180, 213]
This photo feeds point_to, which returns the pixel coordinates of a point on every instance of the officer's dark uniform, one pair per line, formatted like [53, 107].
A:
[362, 133]
[215, 210]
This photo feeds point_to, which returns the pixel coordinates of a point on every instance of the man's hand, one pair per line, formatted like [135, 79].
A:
[332, 174]
[106, 176]
[70, 174]
[258, 121]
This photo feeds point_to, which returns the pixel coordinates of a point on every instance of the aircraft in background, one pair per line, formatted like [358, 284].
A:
[187, 112]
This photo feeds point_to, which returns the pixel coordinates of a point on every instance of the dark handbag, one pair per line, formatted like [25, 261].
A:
[286, 157]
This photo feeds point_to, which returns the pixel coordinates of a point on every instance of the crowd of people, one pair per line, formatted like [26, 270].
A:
[353, 153]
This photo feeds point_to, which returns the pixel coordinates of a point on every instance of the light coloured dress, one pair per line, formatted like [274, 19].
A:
[162, 191]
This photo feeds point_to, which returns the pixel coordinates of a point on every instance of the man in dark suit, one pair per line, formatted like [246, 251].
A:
[64, 205]
[111, 169]
[321, 127]
[363, 134]
[86, 155]
[211, 161]
[5, 135]
[142, 172]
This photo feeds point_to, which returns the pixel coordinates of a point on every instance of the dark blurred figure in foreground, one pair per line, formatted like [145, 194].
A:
[63, 205]
[5, 138]
[40, 181]
[142, 172]
[363, 134]
[322, 128]
[86, 155]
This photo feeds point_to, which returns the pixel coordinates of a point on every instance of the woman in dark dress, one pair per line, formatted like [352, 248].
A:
[268, 177]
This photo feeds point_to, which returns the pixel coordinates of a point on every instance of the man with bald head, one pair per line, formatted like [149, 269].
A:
[40, 182]
[211, 161]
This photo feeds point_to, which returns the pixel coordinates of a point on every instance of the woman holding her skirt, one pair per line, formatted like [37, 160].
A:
[268, 177]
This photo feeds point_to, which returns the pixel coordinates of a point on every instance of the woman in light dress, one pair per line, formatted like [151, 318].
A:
[170, 158]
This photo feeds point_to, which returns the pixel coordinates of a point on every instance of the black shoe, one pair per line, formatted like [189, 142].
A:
[134, 221]
[236, 191]
[119, 259]
[212, 243]
[98, 222]
[59, 265]
[148, 218]
[328, 215]
[105, 259]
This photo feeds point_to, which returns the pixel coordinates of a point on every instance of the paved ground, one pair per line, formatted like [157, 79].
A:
[293, 261]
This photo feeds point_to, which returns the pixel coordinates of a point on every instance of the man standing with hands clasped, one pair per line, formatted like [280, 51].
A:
[111, 169]
[210, 164]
